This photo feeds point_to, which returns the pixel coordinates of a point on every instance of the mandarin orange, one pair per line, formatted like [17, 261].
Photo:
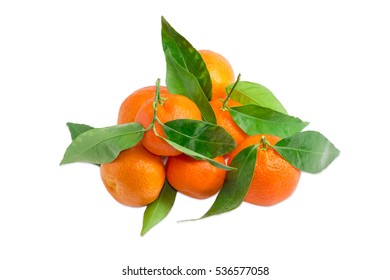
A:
[131, 105]
[225, 120]
[274, 179]
[135, 178]
[195, 178]
[221, 72]
[172, 107]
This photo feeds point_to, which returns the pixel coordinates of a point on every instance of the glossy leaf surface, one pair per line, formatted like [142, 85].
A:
[158, 209]
[308, 151]
[196, 155]
[76, 129]
[202, 137]
[102, 145]
[237, 182]
[179, 80]
[254, 119]
[186, 56]
[253, 93]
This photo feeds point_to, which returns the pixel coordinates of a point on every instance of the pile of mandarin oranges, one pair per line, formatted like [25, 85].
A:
[136, 177]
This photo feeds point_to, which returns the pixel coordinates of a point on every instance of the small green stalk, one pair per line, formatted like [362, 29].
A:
[224, 102]
[154, 128]
[158, 101]
[264, 143]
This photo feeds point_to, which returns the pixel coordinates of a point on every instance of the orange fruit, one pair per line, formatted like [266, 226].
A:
[173, 107]
[195, 178]
[274, 178]
[135, 178]
[225, 120]
[221, 72]
[131, 105]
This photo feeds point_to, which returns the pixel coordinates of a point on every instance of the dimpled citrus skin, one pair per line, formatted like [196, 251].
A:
[225, 120]
[135, 178]
[274, 179]
[221, 72]
[195, 178]
[131, 105]
[174, 107]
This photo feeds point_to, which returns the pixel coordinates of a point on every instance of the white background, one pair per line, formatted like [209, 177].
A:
[327, 61]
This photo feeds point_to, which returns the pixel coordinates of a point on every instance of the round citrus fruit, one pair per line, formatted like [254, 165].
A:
[274, 178]
[131, 105]
[225, 120]
[195, 178]
[171, 107]
[221, 72]
[135, 178]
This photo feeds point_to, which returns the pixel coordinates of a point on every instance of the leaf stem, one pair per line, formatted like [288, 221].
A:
[224, 104]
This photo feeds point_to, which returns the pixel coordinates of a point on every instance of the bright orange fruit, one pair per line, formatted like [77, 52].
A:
[195, 178]
[274, 178]
[221, 72]
[225, 120]
[173, 107]
[131, 105]
[135, 178]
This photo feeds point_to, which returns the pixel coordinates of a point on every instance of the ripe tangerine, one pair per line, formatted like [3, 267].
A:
[135, 178]
[171, 107]
[131, 105]
[225, 120]
[221, 72]
[195, 178]
[274, 179]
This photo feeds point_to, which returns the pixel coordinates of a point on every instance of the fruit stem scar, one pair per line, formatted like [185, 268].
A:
[224, 104]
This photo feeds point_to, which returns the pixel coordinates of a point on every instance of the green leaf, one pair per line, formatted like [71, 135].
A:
[76, 129]
[181, 81]
[308, 151]
[252, 93]
[194, 154]
[102, 145]
[204, 138]
[186, 56]
[254, 119]
[237, 182]
[158, 209]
